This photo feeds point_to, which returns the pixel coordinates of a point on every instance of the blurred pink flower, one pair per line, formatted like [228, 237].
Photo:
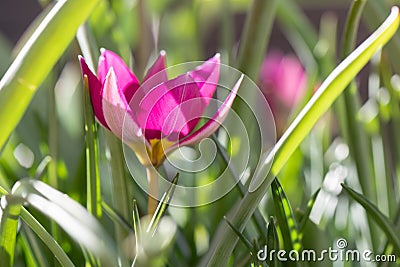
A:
[157, 116]
[283, 78]
[283, 81]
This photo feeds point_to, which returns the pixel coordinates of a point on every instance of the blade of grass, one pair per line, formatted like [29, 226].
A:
[35, 247]
[257, 218]
[119, 181]
[114, 216]
[306, 215]
[116, 159]
[253, 45]
[41, 232]
[28, 252]
[92, 168]
[47, 239]
[70, 216]
[241, 236]
[37, 58]
[255, 36]
[136, 229]
[162, 206]
[224, 242]
[286, 220]
[358, 140]
[389, 229]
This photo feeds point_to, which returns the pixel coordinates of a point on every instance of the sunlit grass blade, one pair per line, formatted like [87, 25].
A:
[286, 220]
[162, 206]
[10, 210]
[390, 230]
[330, 89]
[70, 216]
[37, 58]
[306, 215]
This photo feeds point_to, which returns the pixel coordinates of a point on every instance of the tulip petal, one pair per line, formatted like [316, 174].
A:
[206, 76]
[158, 69]
[161, 111]
[116, 108]
[213, 124]
[125, 78]
[95, 89]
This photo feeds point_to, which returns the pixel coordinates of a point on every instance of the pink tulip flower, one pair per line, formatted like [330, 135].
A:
[156, 116]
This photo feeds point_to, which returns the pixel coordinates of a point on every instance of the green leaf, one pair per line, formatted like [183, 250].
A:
[390, 230]
[162, 206]
[306, 215]
[241, 236]
[37, 58]
[222, 247]
[286, 219]
[92, 169]
[69, 215]
[41, 232]
[47, 239]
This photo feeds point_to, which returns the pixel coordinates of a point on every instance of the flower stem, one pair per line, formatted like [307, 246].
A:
[119, 183]
[153, 190]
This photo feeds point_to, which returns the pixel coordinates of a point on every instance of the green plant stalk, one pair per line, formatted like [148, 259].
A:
[358, 139]
[53, 151]
[27, 251]
[36, 249]
[257, 218]
[254, 41]
[224, 241]
[41, 232]
[375, 11]
[255, 37]
[227, 28]
[37, 58]
[92, 169]
[11, 209]
[119, 187]
[119, 183]
[152, 178]
[390, 132]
